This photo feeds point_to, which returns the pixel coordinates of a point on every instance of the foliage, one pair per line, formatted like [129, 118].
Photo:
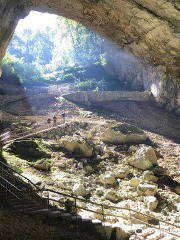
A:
[70, 54]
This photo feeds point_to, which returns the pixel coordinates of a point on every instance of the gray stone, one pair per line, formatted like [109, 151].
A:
[146, 190]
[151, 202]
[123, 133]
[79, 190]
[78, 145]
[149, 176]
[145, 158]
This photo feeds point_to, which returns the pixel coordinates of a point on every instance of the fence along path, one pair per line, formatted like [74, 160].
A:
[9, 185]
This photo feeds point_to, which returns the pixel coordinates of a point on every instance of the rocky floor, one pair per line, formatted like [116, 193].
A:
[105, 172]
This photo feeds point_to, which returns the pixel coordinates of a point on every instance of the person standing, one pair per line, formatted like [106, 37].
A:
[54, 121]
[63, 115]
[49, 122]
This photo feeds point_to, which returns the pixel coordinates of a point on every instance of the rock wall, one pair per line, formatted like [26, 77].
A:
[89, 97]
[141, 76]
[148, 29]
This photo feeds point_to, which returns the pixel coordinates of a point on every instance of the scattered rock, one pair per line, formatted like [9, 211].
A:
[177, 190]
[145, 158]
[89, 168]
[149, 176]
[79, 190]
[78, 145]
[99, 192]
[123, 133]
[160, 171]
[42, 165]
[134, 182]
[109, 179]
[122, 173]
[112, 196]
[146, 190]
[151, 202]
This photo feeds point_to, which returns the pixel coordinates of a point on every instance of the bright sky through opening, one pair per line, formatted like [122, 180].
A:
[37, 20]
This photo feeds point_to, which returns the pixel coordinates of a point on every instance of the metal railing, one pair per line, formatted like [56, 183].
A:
[9, 187]
[105, 215]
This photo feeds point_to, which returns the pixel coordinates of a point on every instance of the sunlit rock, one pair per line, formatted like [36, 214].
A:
[122, 173]
[42, 165]
[112, 196]
[108, 179]
[151, 202]
[146, 190]
[77, 145]
[79, 190]
[149, 176]
[177, 190]
[123, 133]
[145, 158]
[134, 182]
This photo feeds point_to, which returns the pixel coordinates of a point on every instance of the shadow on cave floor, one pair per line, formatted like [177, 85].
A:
[144, 115]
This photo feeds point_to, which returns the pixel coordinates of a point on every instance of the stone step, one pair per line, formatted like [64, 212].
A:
[26, 206]
[15, 202]
[43, 211]
[155, 236]
[54, 214]
[76, 218]
[66, 215]
[146, 232]
[30, 209]
[96, 222]
[167, 237]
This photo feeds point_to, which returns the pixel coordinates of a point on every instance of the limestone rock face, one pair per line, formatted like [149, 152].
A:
[77, 145]
[145, 158]
[123, 133]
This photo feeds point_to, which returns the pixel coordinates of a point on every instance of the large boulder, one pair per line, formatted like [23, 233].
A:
[151, 202]
[149, 176]
[146, 190]
[144, 159]
[79, 190]
[123, 133]
[42, 165]
[78, 145]
[112, 196]
[122, 173]
[108, 179]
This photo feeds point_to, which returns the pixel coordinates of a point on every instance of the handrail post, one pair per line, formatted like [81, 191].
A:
[130, 218]
[160, 228]
[76, 213]
[23, 200]
[6, 190]
[103, 214]
[48, 201]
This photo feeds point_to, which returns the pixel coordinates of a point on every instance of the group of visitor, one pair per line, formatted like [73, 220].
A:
[49, 120]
